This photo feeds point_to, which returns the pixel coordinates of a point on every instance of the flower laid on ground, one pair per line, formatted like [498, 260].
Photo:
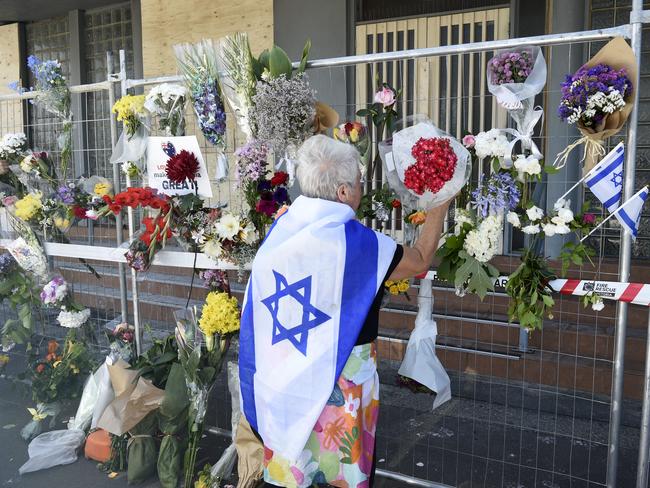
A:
[491, 144]
[182, 166]
[593, 93]
[435, 162]
[167, 101]
[499, 193]
[283, 111]
[130, 110]
[220, 316]
[12, 146]
[54, 291]
[73, 319]
[510, 67]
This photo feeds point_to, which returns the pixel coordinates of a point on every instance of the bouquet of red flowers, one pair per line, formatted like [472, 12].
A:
[435, 162]
[424, 165]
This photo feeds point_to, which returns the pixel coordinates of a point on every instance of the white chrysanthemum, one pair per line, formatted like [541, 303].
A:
[73, 320]
[212, 248]
[492, 143]
[227, 226]
[513, 219]
[534, 213]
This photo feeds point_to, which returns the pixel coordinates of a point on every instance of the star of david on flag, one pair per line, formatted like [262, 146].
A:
[605, 180]
[311, 317]
[629, 214]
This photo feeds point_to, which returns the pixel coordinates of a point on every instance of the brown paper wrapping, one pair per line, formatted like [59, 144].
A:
[133, 400]
[617, 54]
[250, 456]
[326, 118]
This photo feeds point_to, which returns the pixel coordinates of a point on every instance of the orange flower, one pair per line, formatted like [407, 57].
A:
[417, 218]
[52, 346]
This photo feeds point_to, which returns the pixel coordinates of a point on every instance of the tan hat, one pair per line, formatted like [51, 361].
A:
[326, 118]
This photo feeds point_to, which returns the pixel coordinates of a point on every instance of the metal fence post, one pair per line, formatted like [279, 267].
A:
[124, 310]
[131, 222]
[625, 257]
[644, 441]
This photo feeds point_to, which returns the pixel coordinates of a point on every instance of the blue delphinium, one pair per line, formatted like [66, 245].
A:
[66, 194]
[210, 112]
[499, 193]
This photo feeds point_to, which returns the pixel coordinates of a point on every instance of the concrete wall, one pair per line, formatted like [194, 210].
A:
[9, 72]
[165, 23]
[326, 24]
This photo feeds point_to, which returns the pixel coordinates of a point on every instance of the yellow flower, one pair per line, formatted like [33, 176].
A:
[388, 283]
[403, 285]
[36, 416]
[102, 189]
[56, 364]
[61, 223]
[27, 206]
[220, 314]
[394, 290]
[336, 132]
[4, 360]
[129, 106]
[279, 471]
[354, 135]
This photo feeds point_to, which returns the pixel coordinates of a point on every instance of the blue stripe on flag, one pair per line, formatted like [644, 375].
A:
[606, 171]
[247, 359]
[612, 201]
[630, 223]
[359, 287]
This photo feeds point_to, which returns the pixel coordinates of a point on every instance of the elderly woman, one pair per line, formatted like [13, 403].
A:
[308, 360]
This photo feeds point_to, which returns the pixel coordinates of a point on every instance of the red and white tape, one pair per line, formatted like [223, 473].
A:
[635, 293]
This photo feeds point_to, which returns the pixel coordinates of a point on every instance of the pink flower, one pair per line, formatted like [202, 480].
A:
[588, 218]
[9, 201]
[469, 140]
[385, 96]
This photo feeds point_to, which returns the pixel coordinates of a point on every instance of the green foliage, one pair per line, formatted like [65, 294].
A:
[383, 196]
[156, 363]
[461, 269]
[530, 295]
[23, 295]
[575, 253]
[276, 62]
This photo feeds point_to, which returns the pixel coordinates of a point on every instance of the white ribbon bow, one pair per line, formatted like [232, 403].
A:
[524, 134]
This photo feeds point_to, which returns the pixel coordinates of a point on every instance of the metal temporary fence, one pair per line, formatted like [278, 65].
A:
[527, 411]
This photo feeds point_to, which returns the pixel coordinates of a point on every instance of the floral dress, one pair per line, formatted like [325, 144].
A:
[341, 446]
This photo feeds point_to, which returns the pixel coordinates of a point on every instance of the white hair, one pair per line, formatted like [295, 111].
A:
[324, 165]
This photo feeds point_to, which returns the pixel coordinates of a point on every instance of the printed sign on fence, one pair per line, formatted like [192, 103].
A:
[159, 150]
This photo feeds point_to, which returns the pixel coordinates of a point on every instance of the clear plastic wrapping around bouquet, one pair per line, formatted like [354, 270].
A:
[511, 95]
[396, 157]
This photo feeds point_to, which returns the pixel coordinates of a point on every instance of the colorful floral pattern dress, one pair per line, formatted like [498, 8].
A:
[341, 446]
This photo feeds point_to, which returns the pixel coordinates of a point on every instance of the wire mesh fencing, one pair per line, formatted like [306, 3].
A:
[527, 410]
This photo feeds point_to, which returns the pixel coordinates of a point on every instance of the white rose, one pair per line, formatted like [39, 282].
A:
[549, 229]
[565, 214]
[560, 204]
[513, 219]
[599, 305]
[562, 229]
[533, 167]
[535, 213]
[531, 229]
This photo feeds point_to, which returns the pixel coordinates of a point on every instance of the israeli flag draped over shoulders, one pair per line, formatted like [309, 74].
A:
[312, 284]
[629, 214]
[605, 180]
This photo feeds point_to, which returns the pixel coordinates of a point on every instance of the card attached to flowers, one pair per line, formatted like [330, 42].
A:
[160, 150]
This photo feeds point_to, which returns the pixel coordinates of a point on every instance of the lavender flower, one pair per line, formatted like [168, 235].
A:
[283, 111]
[500, 193]
[510, 67]
[593, 93]
[54, 291]
[251, 161]
[66, 194]
[215, 279]
[7, 263]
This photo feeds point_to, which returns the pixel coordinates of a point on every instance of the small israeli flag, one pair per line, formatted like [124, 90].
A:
[605, 180]
[629, 214]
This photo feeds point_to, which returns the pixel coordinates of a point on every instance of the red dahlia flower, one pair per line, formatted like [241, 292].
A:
[279, 178]
[182, 166]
